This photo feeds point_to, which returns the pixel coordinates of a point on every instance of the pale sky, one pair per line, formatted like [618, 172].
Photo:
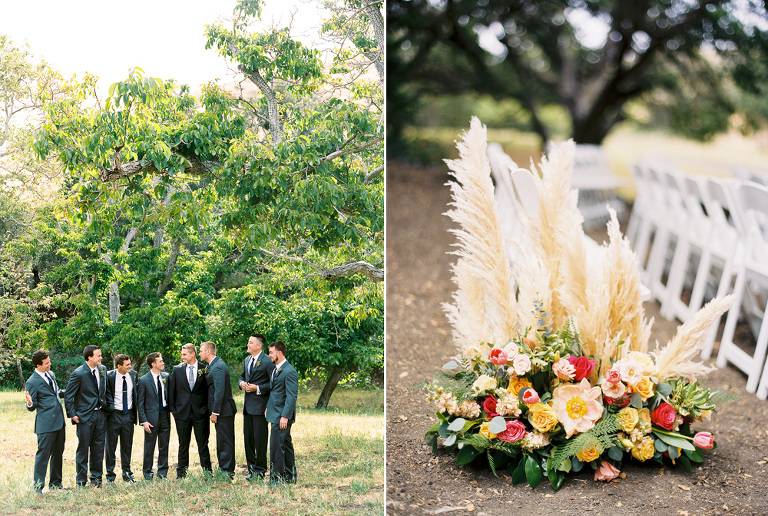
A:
[163, 37]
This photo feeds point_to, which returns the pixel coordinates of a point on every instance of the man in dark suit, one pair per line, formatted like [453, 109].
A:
[42, 394]
[121, 410]
[257, 370]
[281, 412]
[188, 399]
[222, 407]
[85, 399]
[153, 416]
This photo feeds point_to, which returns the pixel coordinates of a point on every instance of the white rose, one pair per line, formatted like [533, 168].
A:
[522, 364]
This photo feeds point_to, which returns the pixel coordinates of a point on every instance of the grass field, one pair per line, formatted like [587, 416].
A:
[339, 458]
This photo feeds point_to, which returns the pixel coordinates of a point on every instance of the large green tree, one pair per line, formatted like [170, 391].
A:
[588, 56]
[174, 200]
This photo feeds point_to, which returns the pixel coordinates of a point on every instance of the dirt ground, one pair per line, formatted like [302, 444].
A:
[732, 480]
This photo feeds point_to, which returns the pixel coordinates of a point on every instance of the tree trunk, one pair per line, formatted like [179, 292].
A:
[269, 94]
[377, 20]
[21, 373]
[162, 288]
[335, 375]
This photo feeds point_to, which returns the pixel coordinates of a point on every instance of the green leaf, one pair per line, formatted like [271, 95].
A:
[664, 389]
[616, 453]
[450, 440]
[532, 472]
[518, 474]
[636, 401]
[660, 445]
[695, 455]
[686, 463]
[466, 455]
[678, 442]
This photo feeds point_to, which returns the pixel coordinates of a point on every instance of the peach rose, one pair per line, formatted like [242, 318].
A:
[631, 372]
[613, 390]
[521, 364]
[511, 350]
[564, 370]
[644, 387]
[606, 472]
[542, 417]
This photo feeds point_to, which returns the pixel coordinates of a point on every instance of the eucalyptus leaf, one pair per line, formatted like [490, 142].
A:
[660, 445]
[457, 424]
[450, 365]
[615, 453]
[449, 440]
[497, 425]
[664, 389]
[576, 465]
[636, 401]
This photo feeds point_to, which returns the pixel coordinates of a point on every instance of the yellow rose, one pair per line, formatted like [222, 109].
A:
[485, 432]
[515, 384]
[644, 450]
[627, 419]
[644, 416]
[644, 387]
[589, 454]
[542, 417]
[484, 383]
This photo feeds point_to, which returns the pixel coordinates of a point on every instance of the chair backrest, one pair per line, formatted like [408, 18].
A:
[750, 202]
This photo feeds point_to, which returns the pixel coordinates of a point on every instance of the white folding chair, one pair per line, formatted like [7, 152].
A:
[750, 201]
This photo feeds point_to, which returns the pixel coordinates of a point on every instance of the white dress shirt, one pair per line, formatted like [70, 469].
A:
[119, 391]
[154, 379]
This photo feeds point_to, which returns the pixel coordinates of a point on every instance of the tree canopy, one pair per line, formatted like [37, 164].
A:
[174, 207]
[591, 57]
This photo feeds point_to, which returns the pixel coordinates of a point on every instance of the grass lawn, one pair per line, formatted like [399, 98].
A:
[339, 458]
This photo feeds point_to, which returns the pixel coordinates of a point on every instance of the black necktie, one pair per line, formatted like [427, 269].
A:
[159, 394]
[50, 381]
[125, 396]
[253, 365]
[98, 394]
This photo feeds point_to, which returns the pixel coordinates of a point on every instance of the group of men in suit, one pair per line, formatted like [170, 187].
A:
[107, 405]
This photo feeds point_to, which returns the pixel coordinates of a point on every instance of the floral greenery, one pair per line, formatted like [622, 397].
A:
[539, 409]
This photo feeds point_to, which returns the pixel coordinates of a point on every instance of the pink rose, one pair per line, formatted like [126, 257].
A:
[521, 364]
[514, 432]
[583, 367]
[704, 440]
[613, 390]
[489, 405]
[530, 397]
[563, 369]
[664, 416]
[498, 356]
[606, 472]
[613, 376]
[511, 350]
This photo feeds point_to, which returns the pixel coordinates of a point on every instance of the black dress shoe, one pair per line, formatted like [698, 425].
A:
[58, 486]
[130, 479]
[82, 484]
[96, 485]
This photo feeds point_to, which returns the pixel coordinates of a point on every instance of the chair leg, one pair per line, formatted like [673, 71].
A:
[726, 342]
[722, 289]
[758, 359]
[675, 280]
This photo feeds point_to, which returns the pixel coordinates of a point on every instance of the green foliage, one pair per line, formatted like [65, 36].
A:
[602, 436]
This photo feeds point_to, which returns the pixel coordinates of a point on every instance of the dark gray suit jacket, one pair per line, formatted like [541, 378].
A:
[183, 401]
[111, 381]
[81, 396]
[149, 410]
[282, 397]
[50, 415]
[255, 404]
[220, 400]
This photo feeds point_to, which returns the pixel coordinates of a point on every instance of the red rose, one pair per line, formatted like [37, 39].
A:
[489, 405]
[514, 432]
[498, 356]
[664, 416]
[617, 402]
[583, 366]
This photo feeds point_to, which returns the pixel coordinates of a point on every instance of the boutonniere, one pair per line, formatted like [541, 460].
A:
[102, 372]
[162, 379]
[277, 373]
[258, 362]
[202, 371]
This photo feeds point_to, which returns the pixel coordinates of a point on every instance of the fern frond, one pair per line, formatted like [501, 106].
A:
[602, 436]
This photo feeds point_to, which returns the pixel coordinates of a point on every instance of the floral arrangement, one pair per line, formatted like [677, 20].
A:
[544, 392]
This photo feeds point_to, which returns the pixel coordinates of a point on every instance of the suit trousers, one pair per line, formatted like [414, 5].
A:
[50, 447]
[225, 444]
[255, 437]
[90, 441]
[119, 427]
[202, 429]
[161, 434]
[281, 454]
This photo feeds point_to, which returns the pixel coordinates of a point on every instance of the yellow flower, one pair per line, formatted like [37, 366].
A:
[484, 383]
[542, 417]
[627, 419]
[515, 384]
[644, 450]
[485, 432]
[644, 416]
[644, 387]
[589, 454]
